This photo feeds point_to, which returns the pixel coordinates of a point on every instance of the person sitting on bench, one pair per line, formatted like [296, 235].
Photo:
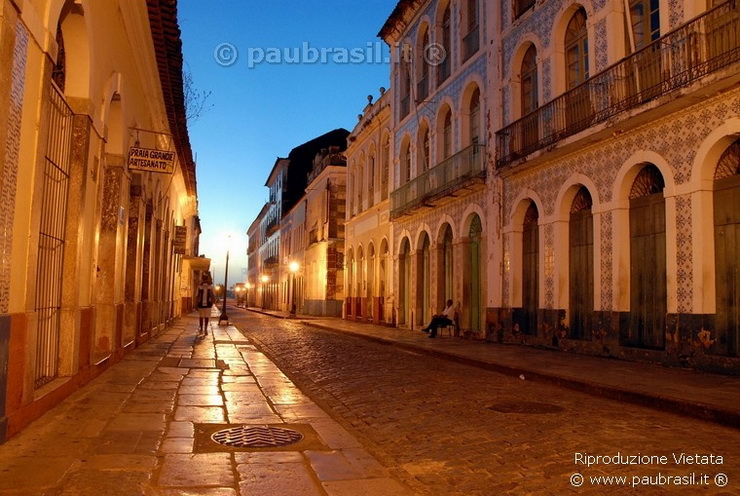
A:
[444, 319]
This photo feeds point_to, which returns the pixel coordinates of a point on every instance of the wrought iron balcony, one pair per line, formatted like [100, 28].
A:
[460, 170]
[700, 47]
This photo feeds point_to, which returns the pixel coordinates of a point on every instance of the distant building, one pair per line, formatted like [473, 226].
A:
[325, 217]
[287, 185]
[98, 248]
[369, 275]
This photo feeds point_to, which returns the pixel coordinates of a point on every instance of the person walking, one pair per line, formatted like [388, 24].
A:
[205, 301]
[444, 319]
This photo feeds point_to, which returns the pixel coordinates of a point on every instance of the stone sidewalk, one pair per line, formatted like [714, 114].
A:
[144, 428]
[707, 396]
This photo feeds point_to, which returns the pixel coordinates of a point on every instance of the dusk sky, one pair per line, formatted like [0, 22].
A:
[268, 95]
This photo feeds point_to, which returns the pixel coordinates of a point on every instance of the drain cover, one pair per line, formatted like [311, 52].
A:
[257, 437]
[526, 407]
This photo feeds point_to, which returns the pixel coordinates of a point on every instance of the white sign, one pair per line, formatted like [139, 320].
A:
[146, 159]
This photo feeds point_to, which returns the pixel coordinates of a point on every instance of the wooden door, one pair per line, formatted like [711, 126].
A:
[530, 270]
[581, 267]
[727, 252]
[648, 294]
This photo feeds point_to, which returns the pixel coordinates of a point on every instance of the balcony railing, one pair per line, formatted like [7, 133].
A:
[471, 43]
[704, 45]
[441, 180]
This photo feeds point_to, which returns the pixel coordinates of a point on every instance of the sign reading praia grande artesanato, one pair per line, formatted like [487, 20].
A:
[146, 159]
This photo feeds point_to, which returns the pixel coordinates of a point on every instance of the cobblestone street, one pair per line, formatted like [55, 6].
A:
[441, 427]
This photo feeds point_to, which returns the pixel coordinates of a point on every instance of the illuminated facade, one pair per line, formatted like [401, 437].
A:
[96, 257]
[368, 262]
[617, 148]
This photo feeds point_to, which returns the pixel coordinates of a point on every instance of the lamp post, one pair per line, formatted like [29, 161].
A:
[293, 266]
[264, 278]
[226, 285]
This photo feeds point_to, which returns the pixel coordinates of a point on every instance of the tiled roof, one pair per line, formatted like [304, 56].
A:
[168, 48]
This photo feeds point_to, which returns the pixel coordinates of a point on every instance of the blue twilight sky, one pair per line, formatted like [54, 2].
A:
[263, 110]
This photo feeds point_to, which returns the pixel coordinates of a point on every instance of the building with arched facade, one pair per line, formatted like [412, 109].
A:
[438, 205]
[95, 252]
[368, 263]
[618, 157]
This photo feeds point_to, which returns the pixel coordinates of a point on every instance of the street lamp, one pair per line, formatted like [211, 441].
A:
[226, 285]
[265, 279]
[294, 267]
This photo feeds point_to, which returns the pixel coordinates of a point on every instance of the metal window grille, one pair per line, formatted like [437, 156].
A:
[52, 238]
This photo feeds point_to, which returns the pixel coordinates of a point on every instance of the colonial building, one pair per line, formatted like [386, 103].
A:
[368, 263]
[439, 206]
[325, 217]
[92, 243]
[288, 183]
[618, 151]
[254, 263]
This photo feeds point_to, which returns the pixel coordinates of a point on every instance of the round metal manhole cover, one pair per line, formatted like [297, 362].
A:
[257, 437]
[526, 407]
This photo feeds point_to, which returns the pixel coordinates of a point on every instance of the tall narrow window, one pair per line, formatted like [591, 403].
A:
[578, 103]
[405, 95]
[645, 20]
[424, 152]
[447, 135]
[405, 163]
[422, 87]
[530, 82]
[385, 166]
[471, 42]
[371, 180]
[445, 67]
[474, 124]
[522, 6]
[576, 49]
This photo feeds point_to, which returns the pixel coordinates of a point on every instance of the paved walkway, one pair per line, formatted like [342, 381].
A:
[144, 428]
[702, 395]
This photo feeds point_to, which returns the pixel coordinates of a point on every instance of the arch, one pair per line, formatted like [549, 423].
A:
[445, 219]
[709, 152]
[473, 263]
[69, 18]
[569, 190]
[632, 166]
[521, 204]
[468, 215]
[445, 264]
[530, 270]
[519, 60]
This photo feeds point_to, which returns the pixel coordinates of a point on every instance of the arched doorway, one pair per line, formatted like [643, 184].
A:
[474, 275]
[648, 289]
[445, 268]
[349, 306]
[360, 284]
[404, 282]
[581, 261]
[530, 270]
[424, 281]
[382, 280]
[726, 248]
[371, 301]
